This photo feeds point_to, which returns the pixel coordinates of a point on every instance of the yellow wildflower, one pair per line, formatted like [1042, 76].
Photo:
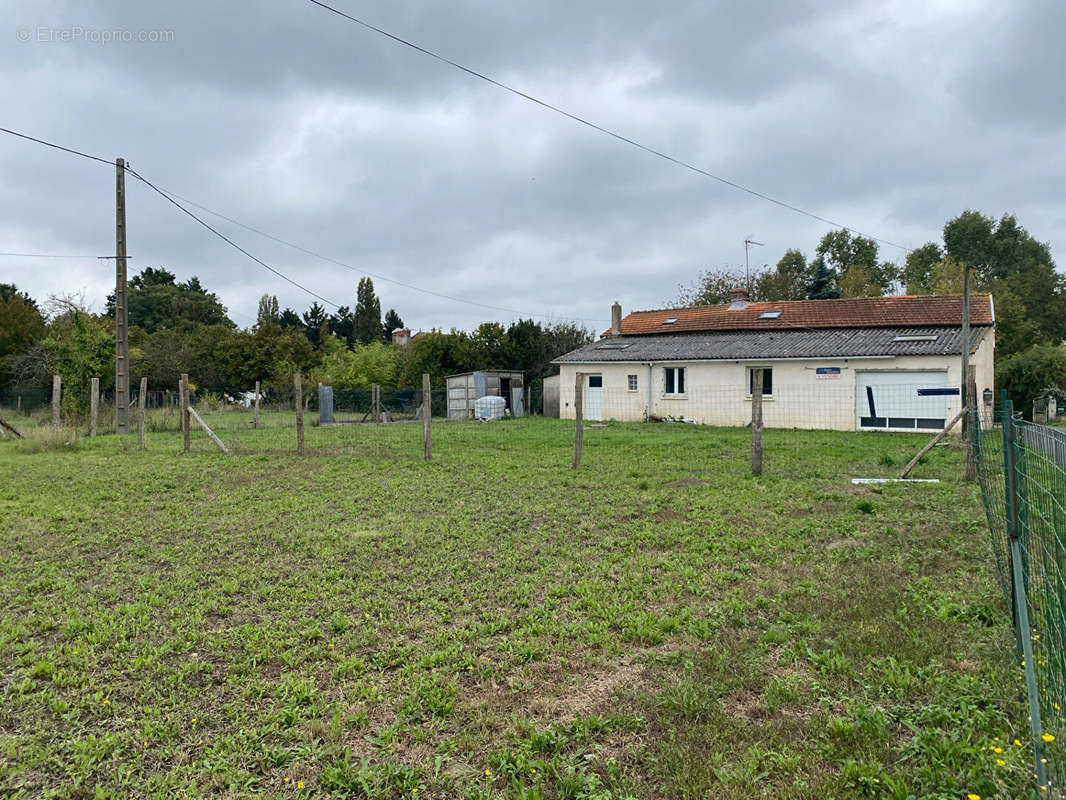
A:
[973, 797]
[299, 784]
[997, 749]
[488, 772]
[1018, 743]
[1047, 737]
[1001, 762]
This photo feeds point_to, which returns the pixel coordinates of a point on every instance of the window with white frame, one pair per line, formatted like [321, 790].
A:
[632, 383]
[767, 381]
[674, 380]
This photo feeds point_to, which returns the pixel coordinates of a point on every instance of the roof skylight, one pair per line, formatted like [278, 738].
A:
[613, 345]
[773, 314]
[917, 337]
[670, 321]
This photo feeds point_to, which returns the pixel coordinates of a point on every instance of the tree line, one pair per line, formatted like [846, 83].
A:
[1004, 259]
[180, 327]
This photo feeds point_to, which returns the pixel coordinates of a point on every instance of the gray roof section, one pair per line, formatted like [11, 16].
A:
[802, 343]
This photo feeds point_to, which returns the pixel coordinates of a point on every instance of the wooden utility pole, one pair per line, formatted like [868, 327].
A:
[756, 420]
[122, 340]
[427, 413]
[57, 397]
[255, 419]
[94, 404]
[183, 393]
[579, 417]
[298, 388]
[964, 393]
[141, 401]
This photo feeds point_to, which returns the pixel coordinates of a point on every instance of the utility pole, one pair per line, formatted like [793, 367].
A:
[748, 242]
[122, 341]
[968, 402]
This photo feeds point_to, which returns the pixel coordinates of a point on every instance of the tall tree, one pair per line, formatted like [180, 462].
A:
[392, 322]
[366, 327]
[917, 272]
[290, 319]
[156, 300]
[844, 251]
[316, 323]
[788, 281]
[268, 313]
[342, 324]
[822, 284]
[21, 323]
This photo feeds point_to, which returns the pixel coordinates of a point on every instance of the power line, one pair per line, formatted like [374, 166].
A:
[173, 198]
[225, 238]
[51, 255]
[361, 271]
[606, 131]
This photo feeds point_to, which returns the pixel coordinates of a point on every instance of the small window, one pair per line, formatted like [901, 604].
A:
[770, 314]
[613, 345]
[595, 381]
[767, 381]
[675, 380]
[632, 383]
[923, 337]
[670, 321]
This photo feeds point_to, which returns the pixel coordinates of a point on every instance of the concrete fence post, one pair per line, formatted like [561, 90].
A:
[427, 414]
[57, 398]
[255, 419]
[756, 421]
[142, 400]
[297, 381]
[183, 398]
[579, 418]
[94, 405]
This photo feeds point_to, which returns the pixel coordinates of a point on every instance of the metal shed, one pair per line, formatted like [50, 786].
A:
[465, 388]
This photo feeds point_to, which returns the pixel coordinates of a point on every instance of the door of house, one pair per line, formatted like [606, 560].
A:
[593, 397]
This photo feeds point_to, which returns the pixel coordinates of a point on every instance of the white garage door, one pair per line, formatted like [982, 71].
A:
[891, 400]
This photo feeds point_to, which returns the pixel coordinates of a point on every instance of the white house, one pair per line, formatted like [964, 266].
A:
[885, 363]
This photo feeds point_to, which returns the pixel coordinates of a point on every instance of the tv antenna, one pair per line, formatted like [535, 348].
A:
[748, 243]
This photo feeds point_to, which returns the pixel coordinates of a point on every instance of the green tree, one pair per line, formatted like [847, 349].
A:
[156, 300]
[367, 316]
[392, 322]
[1028, 375]
[822, 284]
[290, 319]
[713, 287]
[21, 323]
[844, 252]
[342, 325]
[917, 272]
[316, 324]
[268, 313]
[788, 281]
[359, 367]
[79, 346]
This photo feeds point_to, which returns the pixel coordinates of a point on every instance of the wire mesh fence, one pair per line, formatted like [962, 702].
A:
[1022, 473]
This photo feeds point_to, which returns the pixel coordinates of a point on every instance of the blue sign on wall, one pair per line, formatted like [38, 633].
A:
[827, 373]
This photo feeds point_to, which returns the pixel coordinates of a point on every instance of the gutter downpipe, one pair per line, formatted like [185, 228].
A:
[647, 406]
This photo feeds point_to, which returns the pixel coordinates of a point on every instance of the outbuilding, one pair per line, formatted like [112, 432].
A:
[884, 363]
[467, 387]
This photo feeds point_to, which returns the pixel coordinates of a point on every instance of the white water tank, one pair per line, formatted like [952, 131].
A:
[489, 407]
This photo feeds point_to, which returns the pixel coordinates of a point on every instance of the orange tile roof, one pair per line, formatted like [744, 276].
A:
[860, 312]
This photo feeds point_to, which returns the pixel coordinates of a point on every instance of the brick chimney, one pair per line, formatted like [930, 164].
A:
[616, 319]
[738, 299]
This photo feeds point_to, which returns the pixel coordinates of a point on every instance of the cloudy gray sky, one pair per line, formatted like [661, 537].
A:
[889, 117]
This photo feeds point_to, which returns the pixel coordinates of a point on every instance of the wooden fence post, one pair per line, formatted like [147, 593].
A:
[183, 397]
[94, 404]
[255, 420]
[142, 399]
[969, 402]
[756, 420]
[579, 417]
[427, 413]
[57, 396]
[298, 385]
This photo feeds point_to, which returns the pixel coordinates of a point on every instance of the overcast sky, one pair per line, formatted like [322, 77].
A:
[888, 117]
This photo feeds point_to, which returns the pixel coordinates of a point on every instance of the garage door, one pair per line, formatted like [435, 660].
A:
[891, 401]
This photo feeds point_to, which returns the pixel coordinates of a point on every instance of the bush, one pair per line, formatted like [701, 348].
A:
[1029, 374]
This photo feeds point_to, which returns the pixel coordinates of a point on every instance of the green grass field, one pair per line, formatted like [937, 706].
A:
[359, 623]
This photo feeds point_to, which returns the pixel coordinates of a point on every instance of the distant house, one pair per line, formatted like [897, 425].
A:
[886, 363]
